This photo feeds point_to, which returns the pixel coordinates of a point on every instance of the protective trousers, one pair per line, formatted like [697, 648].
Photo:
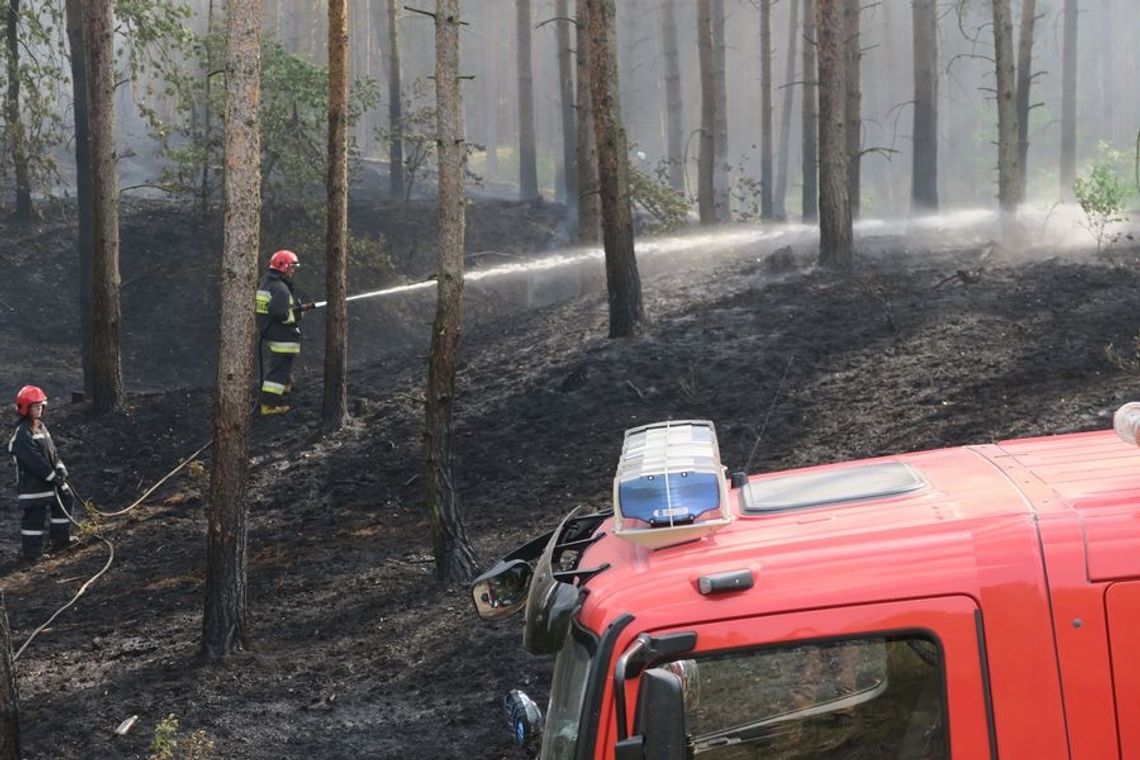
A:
[36, 510]
[278, 382]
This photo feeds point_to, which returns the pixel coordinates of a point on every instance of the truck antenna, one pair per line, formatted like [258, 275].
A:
[768, 416]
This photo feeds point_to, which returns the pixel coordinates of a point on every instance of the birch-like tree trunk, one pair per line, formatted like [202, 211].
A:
[589, 196]
[783, 164]
[83, 186]
[674, 105]
[924, 169]
[106, 360]
[835, 233]
[1009, 173]
[767, 211]
[623, 282]
[1024, 85]
[395, 104]
[225, 627]
[1069, 102]
[334, 408]
[493, 70]
[566, 89]
[528, 153]
[809, 155]
[706, 158]
[454, 559]
[853, 117]
[17, 140]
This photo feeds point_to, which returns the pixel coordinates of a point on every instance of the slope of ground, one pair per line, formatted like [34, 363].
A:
[357, 651]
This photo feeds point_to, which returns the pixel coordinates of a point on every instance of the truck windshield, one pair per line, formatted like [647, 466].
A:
[567, 693]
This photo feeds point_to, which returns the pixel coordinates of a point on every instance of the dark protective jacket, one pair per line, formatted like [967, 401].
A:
[37, 462]
[278, 314]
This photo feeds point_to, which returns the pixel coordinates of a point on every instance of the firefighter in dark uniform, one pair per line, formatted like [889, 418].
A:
[41, 478]
[279, 328]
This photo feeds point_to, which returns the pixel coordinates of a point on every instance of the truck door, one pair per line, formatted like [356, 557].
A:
[898, 681]
[1122, 604]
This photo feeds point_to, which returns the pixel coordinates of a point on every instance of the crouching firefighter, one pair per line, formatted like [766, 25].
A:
[279, 328]
[41, 478]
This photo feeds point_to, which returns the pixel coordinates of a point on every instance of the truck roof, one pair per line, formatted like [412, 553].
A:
[968, 522]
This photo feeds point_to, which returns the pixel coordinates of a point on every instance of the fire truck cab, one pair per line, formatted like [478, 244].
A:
[970, 602]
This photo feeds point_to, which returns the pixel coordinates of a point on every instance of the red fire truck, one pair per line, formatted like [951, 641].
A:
[970, 602]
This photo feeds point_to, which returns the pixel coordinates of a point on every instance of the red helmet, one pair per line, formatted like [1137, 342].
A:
[27, 396]
[284, 262]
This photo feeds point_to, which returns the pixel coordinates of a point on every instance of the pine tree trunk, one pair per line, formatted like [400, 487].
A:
[1009, 173]
[924, 170]
[334, 410]
[589, 196]
[106, 361]
[810, 161]
[493, 69]
[782, 166]
[706, 190]
[528, 159]
[721, 188]
[1069, 102]
[622, 279]
[1024, 82]
[674, 105]
[454, 560]
[395, 104]
[767, 211]
[853, 118]
[83, 188]
[835, 234]
[566, 88]
[224, 624]
[9, 691]
[16, 138]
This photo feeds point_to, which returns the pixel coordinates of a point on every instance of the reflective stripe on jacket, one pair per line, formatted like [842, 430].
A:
[34, 455]
[277, 318]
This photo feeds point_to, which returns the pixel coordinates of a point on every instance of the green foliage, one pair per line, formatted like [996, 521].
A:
[1102, 194]
[654, 194]
[170, 744]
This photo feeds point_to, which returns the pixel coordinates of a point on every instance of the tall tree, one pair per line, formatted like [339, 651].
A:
[395, 104]
[83, 189]
[17, 143]
[566, 89]
[106, 360]
[674, 105]
[706, 158]
[854, 102]
[721, 190]
[493, 62]
[224, 623]
[334, 410]
[454, 560]
[528, 153]
[835, 233]
[1069, 102]
[809, 156]
[1024, 82]
[924, 169]
[781, 193]
[589, 198]
[767, 210]
[1009, 173]
[622, 279]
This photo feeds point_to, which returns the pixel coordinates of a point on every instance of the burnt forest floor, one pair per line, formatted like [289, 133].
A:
[357, 652]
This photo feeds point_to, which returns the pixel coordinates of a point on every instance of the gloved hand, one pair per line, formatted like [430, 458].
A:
[61, 469]
[64, 489]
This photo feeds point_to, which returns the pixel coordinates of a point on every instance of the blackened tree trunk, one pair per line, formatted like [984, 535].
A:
[589, 196]
[1009, 174]
[454, 560]
[395, 104]
[83, 190]
[17, 141]
[334, 410]
[106, 361]
[810, 160]
[528, 155]
[721, 189]
[566, 88]
[781, 191]
[1024, 83]
[622, 279]
[835, 234]
[224, 625]
[924, 170]
[674, 105]
[1069, 102]
[767, 211]
[706, 159]
[853, 117]
[9, 693]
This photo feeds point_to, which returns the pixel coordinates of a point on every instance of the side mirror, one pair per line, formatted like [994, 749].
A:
[502, 591]
[660, 720]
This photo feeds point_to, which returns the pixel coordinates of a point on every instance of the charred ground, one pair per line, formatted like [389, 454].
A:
[357, 651]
